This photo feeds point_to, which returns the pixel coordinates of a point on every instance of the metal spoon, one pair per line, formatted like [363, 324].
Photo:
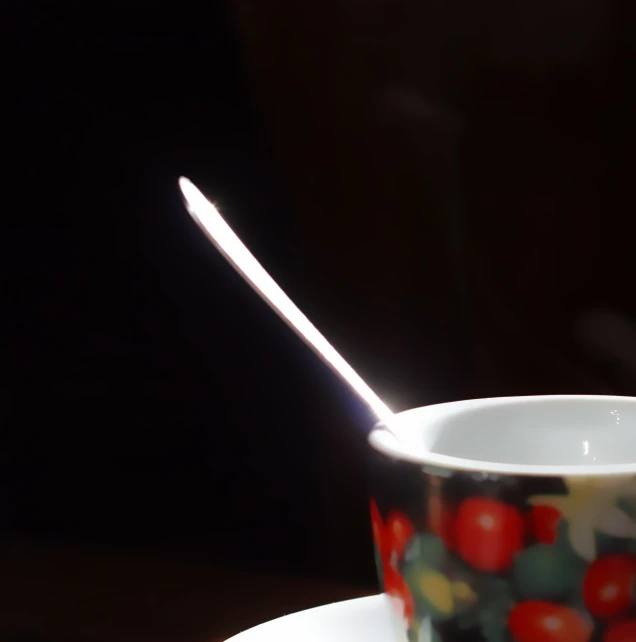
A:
[229, 244]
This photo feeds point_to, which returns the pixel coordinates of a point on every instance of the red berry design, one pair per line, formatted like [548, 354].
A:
[489, 533]
[398, 591]
[399, 531]
[621, 632]
[379, 532]
[546, 622]
[608, 585]
[442, 521]
[543, 523]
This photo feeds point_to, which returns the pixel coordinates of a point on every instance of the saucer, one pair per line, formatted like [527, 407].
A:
[365, 619]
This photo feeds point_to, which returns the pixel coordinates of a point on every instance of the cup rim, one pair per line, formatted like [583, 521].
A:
[385, 439]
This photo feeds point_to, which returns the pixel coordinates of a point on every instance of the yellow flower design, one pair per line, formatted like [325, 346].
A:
[436, 588]
[462, 591]
[589, 507]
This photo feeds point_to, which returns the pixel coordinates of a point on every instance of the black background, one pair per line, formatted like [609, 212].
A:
[150, 401]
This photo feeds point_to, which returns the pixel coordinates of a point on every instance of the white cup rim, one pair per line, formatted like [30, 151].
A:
[406, 439]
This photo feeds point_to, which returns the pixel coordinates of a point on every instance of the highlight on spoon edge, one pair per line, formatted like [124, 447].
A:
[222, 236]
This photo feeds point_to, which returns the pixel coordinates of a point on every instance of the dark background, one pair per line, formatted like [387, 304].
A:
[447, 192]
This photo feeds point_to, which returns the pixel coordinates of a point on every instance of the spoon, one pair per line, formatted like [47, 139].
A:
[232, 248]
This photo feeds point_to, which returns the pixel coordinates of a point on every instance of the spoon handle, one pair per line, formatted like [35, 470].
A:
[237, 254]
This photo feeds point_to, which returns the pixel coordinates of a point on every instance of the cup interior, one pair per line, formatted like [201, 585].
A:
[531, 435]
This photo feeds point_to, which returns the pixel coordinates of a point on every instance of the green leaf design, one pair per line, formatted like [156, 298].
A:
[563, 534]
[494, 609]
[425, 549]
[494, 590]
[628, 506]
[609, 545]
[413, 634]
[460, 570]
[495, 632]
[562, 541]
[544, 572]
[493, 621]
[468, 620]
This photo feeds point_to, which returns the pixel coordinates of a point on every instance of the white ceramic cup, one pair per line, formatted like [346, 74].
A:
[509, 520]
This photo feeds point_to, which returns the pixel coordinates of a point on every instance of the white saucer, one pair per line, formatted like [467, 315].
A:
[366, 619]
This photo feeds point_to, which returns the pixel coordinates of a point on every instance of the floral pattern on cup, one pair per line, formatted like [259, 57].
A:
[556, 566]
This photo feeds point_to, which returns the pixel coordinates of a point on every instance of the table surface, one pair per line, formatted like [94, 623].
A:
[56, 595]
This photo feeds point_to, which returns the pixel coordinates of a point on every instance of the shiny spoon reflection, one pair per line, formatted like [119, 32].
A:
[237, 254]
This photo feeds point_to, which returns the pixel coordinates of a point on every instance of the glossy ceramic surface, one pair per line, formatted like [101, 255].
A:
[549, 435]
[364, 620]
[469, 554]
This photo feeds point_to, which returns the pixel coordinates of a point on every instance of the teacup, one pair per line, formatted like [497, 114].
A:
[508, 520]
